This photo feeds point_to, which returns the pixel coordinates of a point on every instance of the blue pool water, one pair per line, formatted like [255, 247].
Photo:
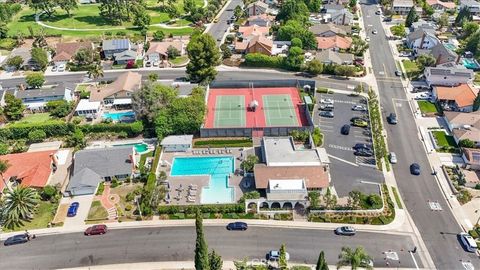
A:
[139, 147]
[118, 116]
[450, 46]
[470, 64]
[217, 167]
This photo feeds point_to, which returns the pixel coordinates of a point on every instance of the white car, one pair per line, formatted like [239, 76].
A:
[367, 39]
[374, 32]
[359, 108]
[61, 68]
[423, 96]
[468, 242]
[274, 255]
[393, 157]
[326, 101]
[54, 68]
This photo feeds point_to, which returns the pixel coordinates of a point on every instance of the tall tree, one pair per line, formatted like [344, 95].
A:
[469, 28]
[204, 56]
[43, 6]
[473, 44]
[321, 263]
[314, 67]
[19, 206]
[295, 58]
[189, 6]
[68, 5]
[476, 103]
[3, 30]
[354, 258]
[443, 20]
[215, 261]
[85, 56]
[426, 60]
[40, 57]
[95, 71]
[282, 260]
[463, 16]
[4, 165]
[411, 17]
[293, 10]
[13, 108]
[151, 98]
[201, 248]
[35, 79]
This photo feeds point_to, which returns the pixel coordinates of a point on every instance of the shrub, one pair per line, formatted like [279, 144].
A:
[128, 207]
[473, 233]
[130, 196]
[36, 136]
[115, 183]
[100, 189]
[322, 90]
[261, 60]
[21, 130]
[206, 208]
[48, 192]
[132, 129]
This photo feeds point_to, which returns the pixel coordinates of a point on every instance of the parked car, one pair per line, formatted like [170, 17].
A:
[16, 239]
[398, 73]
[378, 12]
[360, 108]
[358, 118]
[61, 68]
[361, 145]
[387, 19]
[326, 101]
[345, 230]
[363, 152]
[96, 229]
[367, 39]
[148, 64]
[327, 114]
[360, 123]
[274, 255]
[345, 130]
[468, 242]
[415, 169]
[374, 32]
[72, 210]
[423, 96]
[237, 226]
[392, 119]
[54, 68]
[393, 157]
[326, 107]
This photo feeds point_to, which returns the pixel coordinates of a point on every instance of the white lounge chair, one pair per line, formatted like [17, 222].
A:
[193, 187]
[191, 199]
[192, 192]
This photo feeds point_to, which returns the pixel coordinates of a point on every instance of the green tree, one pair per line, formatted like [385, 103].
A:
[249, 162]
[352, 3]
[295, 29]
[85, 56]
[59, 108]
[359, 46]
[398, 30]
[201, 248]
[4, 149]
[426, 60]
[68, 5]
[443, 20]
[313, 5]
[472, 44]
[296, 42]
[35, 79]
[3, 30]
[36, 135]
[19, 206]
[411, 17]
[158, 35]
[329, 199]
[293, 10]
[172, 52]
[48, 192]
[295, 58]
[189, 6]
[16, 62]
[343, 70]
[13, 108]
[467, 143]
[226, 52]
[76, 139]
[95, 71]
[151, 98]
[40, 57]
[4, 165]
[238, 12]
[469, 28]
[204, 56]
[141, 18]
[153, 77]
[313, 198]
[314, 67]
[321, 263]
[43, 6]
[215, 261]
[476, 103]
[282, 260]
[354, 258]
[463, 16]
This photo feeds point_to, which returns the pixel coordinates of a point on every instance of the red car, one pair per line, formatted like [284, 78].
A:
[96, 229]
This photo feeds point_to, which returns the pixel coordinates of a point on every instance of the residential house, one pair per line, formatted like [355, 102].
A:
[456, 98]
[113, 46]
[336, 14]
[124, 57]
[334, 43]
[464, 125]
[402, 7]
[443, 55]
[287, 174]
[471, 156]
[329, 30]
[256, 8]
[448, 76]
[333, 57]
[257, 44]
[422, 24]
[472, 5]
[331, 8]
[65, 51]
[247, 32]
[92, 166]
[29, 169]
[158, 51]
[441, 5]
[88, 109]
[119, 92]
[36, 99]
[179, 143]
[26, 55]
[263, 20]
[421, 39]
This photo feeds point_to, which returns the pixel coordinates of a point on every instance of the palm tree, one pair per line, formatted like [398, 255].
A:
[19, 205]
[95, 71]
[3, 168]
[355, 258]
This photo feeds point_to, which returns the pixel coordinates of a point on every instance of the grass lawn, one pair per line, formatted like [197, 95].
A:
[427, 107]
[143, 158]
[82, 87]
[444, 140]
[411, 68]
[45, 214]
[179, 60]
[223, 143]
[97, 211]
[35, 118]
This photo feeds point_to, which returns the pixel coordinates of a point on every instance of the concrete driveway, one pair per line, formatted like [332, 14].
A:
[82, 213]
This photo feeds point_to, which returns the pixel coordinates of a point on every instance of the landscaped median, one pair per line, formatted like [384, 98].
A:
[376, 126]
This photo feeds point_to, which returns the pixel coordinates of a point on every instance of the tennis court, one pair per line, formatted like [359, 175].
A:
[279, 110]
[230, 111]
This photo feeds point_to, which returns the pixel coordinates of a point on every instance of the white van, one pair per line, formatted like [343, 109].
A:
[468, 242]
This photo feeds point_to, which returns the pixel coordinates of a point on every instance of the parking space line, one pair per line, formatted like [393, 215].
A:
[345, 148]
[343, 160]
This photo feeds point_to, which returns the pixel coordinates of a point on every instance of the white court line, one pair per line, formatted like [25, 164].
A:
[343, 160]
[413, 258]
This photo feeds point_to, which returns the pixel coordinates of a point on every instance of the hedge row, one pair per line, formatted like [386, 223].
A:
[206, 208]
[60, 129]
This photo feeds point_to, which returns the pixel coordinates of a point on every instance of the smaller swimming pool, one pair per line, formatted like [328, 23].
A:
[470, 64]
[117, 116]
[450, 46]
[139, 147]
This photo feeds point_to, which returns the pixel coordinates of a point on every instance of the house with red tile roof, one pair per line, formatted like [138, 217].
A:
[334, 43]
[457, 98]
[65, 51]
[253, 30]
[441, 5]
[30, 169]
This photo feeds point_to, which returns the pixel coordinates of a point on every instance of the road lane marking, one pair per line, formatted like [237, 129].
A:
[343, 160]
[334, 146]
[413, 258]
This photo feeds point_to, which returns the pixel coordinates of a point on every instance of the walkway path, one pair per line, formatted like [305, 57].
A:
[108, 201]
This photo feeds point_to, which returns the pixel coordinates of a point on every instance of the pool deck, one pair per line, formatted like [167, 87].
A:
[179, 195]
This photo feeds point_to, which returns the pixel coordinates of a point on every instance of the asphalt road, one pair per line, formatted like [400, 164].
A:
[178, 244]
[438, 228]
[219, 28]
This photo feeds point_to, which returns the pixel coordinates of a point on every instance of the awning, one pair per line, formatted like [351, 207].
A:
[35, 105]
[122, 101]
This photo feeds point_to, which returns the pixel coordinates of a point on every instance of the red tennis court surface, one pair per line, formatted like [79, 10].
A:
[285, 108]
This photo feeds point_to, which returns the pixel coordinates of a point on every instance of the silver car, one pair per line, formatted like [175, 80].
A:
[393, 157]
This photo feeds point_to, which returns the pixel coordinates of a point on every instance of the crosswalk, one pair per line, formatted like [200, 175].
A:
[366, 161]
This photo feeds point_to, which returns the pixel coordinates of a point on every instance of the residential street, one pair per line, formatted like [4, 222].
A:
[218, 29]
[438, 228]
[178, 243]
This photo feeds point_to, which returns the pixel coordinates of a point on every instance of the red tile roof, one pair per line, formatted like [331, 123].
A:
[65, 51]
[32, 168]
[464, 95]
[339, 42]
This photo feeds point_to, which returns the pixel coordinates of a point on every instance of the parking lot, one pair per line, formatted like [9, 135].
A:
[348, 171]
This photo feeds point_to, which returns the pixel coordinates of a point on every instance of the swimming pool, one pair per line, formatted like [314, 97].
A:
[139, 147]
[450, 46]
[470, 64]
[117, 116]
[218, 168]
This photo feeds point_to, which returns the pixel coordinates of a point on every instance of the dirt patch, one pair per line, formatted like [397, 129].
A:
[61, 213]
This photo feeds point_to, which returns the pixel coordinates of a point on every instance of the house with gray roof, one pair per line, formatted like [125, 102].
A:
[330, 30]
[448, 76]
[422, 38]
[85, 182]
[26, 55]
[113, 46]
[402, 7]
[36, 99]
[124, 57]
[472, 5]
[332, 57]
[179, 143]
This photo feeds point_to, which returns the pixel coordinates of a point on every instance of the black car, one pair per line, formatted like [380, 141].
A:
[392, 119]
[327, 114]
[345, 230]
[359, 146]
[398, 73]
[363, 152]
[16, 239]
[237, 226]
[415, 169]
[345, 130]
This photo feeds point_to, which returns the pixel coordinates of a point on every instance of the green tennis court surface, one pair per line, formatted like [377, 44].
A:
[230, 111]
[279, 110]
